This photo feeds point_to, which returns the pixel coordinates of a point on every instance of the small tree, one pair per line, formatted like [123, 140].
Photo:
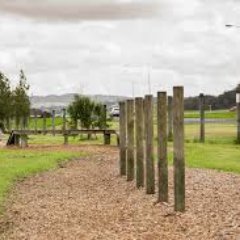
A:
[88, 112]
[21, 101]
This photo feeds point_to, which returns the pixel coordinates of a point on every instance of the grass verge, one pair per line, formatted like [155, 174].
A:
[16, 164]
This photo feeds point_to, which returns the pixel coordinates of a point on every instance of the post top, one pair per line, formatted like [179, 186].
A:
[238, 88]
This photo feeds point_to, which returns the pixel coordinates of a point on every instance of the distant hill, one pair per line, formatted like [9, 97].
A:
[59, 101]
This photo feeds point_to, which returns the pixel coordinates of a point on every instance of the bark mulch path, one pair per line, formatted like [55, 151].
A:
[86, 199]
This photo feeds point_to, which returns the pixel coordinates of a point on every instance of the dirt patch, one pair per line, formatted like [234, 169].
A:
[88, 200]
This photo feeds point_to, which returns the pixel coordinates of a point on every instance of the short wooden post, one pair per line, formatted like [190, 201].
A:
[35, 121]
[178, 149]
[130, 140]
[170, 119]
[150, 170]
[65, 127]
[162, 147]
[202, 118]
[123, 138]
[44, 122]
[53, 122]
[107, 138]
[24, 141]
[238, 113]
[139, 142]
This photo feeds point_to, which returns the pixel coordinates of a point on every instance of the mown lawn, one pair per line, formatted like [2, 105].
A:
[16, 164]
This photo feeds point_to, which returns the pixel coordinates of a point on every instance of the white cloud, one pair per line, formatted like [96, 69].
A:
[186, 44]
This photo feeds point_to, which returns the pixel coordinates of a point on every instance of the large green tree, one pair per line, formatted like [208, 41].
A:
[21, 101]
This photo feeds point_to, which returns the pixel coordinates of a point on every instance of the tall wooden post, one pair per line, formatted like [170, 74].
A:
[202, 118]
[44, 122]
[162, 147]
[53, 122]
[150, 171]
[139, 142]
[123, 138]
[178, 148]
[65, 127]
[35, 121]
[130, 140]
[170, 119]
[238, 113]
[105, 116]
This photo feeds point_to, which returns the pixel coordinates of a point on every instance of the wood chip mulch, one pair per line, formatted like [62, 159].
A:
[87, 199]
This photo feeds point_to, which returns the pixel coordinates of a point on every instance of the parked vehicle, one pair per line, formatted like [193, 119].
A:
[114, 111]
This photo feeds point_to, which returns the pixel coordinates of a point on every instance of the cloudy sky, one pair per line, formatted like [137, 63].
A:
[178, 42]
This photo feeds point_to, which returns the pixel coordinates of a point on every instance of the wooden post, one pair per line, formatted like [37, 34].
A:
[65, 127]
[238, 113]
[35, 121]
[105, 116]
[170, 119]
[44, 122]
[123, 138]
[150, 170]
[178, 148]
[139, 142]
[24, 141]
[202, 118]
[107, 138]
[53, 122]
[130, 140]
[162, 147]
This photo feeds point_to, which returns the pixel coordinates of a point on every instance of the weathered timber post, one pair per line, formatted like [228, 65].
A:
[178, 149]
[150, 170]
[53, 122]
[105, 116]
[238, 113]
[130, 140]
[162, 147]
[139, 142]
[107, 138]
[170, 119]
[44, 122]
[35, 121]
[24, 141]
[65, 127]
[123, 138]
[202, 118]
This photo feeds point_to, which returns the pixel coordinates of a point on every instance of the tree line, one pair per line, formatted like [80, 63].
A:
[226, 100]
[14, 102]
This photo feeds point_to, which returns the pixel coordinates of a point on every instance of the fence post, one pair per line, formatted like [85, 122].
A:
[130, 140]
[178, 145]
[202, 118]
[150, 171]
[65, 127]
[162, 147]
[53, 122]
[238, 112]
[139, 142]
[170, 119]
[44, 122]
[123, 138]
[35, 121]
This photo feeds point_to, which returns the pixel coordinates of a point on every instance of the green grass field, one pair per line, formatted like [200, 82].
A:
[16, 164]
[220, 114]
